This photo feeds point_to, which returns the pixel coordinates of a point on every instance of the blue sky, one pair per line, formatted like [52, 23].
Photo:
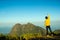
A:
[23, 11]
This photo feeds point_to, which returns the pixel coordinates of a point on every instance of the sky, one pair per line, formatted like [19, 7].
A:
[22, 11]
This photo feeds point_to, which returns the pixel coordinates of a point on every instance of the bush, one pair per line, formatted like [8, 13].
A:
[30, 35]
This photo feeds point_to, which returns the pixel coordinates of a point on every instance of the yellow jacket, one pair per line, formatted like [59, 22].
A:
[47, 21]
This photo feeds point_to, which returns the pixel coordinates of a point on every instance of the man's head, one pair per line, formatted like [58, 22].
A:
[46, 17]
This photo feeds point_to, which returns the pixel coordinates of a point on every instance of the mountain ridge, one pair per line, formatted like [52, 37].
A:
[20, 29]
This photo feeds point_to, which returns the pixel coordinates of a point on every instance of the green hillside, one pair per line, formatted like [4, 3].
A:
[19, 29]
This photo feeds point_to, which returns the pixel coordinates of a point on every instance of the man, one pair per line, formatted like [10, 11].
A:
[47, 24]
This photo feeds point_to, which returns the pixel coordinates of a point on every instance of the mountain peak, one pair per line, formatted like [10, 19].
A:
[18, 24]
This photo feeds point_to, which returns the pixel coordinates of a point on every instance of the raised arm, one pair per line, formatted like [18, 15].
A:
[48, 16]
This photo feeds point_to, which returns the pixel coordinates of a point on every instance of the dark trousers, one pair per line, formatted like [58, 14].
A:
[48, 27]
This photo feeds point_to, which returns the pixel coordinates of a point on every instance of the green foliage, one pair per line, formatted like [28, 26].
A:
[9, 37]
[30, 35]
[15, 37]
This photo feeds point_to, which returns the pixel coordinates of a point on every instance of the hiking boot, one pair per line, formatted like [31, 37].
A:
[49, 36]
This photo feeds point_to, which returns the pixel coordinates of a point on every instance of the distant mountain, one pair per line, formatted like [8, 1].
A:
[19, 29]
[57, 31]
